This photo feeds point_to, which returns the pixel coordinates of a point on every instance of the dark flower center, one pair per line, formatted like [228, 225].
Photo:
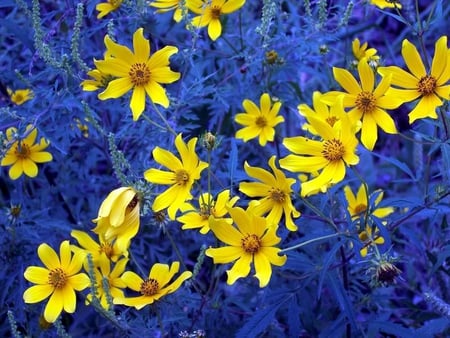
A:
[57, 278]
[333, 150]
[427, 85]
[139, 74]
[251, 243]
[366, 102]
[149, 287]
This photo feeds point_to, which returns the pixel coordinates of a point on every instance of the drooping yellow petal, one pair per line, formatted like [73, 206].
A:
[132, 280]
[214, 29]
[54, 306]
[241, 268]
[137, 103]
[157, 93]
[225, 254]
[37, 293]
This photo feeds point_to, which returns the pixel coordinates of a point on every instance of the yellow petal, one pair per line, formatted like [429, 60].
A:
[137, 103]
[36, 275]
[162, 273]
[177, 283]
[70, 300]
[225, 232]
[384, 121]
[29, 167]
[54, 306]
[226, 254]
[440, 58]
[48, 256]
[157, 93]
[369, 132]
[37, 293]
[214, 29]
[79, 281]
[165, 75]
[119, 52]
[399, 77]
[366, 75]
[141, 46]
[16, 170]
[116, 88]
[425, 108]
[231, 6]
[346, 80]
[240, 269]
[41, 157]
[263, 269]
[132, 280]
[413, 60]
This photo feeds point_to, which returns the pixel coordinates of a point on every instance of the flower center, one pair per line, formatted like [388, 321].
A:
[251, 243]
[215, 12]
[139, 74]
[22, 151]
[333, 150]
[149, 287]
[181, 177]
[331, 120]
[365, 101]
[360, 208]
[427, 85]
[133, 203]
[57, 278]
[261, 121]
[277, 195]
[107, 248]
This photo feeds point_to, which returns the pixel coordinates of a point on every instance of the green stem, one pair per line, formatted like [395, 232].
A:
[319, 213]
[168, 127]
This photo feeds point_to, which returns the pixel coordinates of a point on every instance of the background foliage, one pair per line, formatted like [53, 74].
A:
[325, 288]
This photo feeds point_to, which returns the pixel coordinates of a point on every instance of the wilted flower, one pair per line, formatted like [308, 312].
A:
[20, 96]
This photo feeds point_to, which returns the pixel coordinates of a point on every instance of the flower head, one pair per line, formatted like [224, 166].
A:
[115, 284]
[98, 81]
[367, 102]
[210, 12]
[275, 190]
[259, 122]
[168, 5]
[369, 238]
[118, 217]
[59, 280]
[137, 71]
[252, 241]
[361, 51]
[107, 7]
[360, 203]
[330, 155]
[20, 96]
[154, 287]
[418, 84]
[194, 218]
[101, 251]
[23, 154]
[182, 175]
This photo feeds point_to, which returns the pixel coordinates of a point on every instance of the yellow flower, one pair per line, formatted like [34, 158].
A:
[118, 217]
[107, 7]
[169, 5]
[199, 218]
[137, 71]
[321, 111]
[102, 251]
[361, 51]
[23, 154]
[357, 205]
[59, 280]
[275, 191]
[20, 96]
[368, 238]
[113, 280]
[98, 81]
[154, 287]
[386, 3]
[428, 87]
[259, 122]
[253, 240]
[331, 154]
[210, 12]
[367, 103]
[182, 175]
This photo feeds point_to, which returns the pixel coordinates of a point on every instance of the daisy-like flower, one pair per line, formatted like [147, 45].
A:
[182, 175]
[155, 286]
[209, 13]
[23, 154]
[330, 155]
[369, 239]
[259, 122]
[137, 71]
[59, 280]
[101, 251]
[20, 96]
[194, 218]
[428, 87]
[319, 110]
[113, 279]
[367, 102]
[275, 190]
[361, 51]
[357, 205]
[167, 6]
[118, 218]
[107, 7]
[98, 81]
[253, 241]
[386, 3]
